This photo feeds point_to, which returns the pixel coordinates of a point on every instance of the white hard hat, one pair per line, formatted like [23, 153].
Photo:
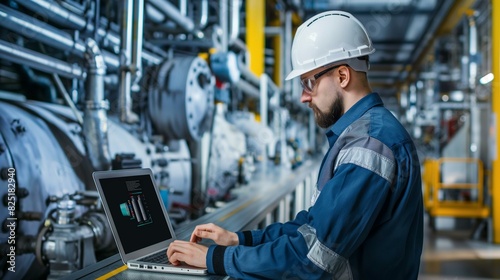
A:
[332, 37]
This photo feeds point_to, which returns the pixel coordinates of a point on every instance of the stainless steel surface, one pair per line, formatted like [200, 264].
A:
[95, 119]
[36, 29]
[126, 115]
[138, 33]
[54, 12]
[48, 34]
[21, 55]
[174, 14]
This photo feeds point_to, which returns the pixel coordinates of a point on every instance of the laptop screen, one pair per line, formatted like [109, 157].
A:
[136, 211]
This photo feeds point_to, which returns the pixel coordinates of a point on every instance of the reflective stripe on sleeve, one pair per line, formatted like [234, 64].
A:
[324, 257]
[366, 158]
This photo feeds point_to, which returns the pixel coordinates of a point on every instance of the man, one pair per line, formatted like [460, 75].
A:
[366, 221]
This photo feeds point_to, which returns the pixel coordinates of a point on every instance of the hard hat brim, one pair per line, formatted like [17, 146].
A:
[354, 63]
[295, 73]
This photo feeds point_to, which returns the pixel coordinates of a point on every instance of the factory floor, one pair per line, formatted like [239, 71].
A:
[458, 249]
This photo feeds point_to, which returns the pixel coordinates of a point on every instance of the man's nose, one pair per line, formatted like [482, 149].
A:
[305, 97]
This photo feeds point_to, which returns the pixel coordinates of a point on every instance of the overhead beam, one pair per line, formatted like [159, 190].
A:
[459, 9]
[446, 19]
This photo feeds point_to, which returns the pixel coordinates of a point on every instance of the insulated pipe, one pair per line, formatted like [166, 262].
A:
[157, 17]
[41, 31]
[248, 88]
[475, 111]
[47, 34]
[21, 55]
[124, 97]
[156, 50]
[240, 45]
[95, 121]
[472, 51]
[204, 14]
[223, 24]
[55, 13]
[154, 14]
[175, 15]
[264, 98]
[61, 16]
[137, 36]
[235, 21]
[247, 74]
[183, 7]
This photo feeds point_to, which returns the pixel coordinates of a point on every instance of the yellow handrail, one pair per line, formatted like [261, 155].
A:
[434, 184]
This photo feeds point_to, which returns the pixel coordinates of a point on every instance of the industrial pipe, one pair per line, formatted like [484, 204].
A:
[175, 15]
[67, 98]
[235, 21]
[55, 13]
[247, 73]
[204, 14]
[223, 24]
[21, 55]
[248, 88]
[47, 34]
[95, 121]
[41, 31]
[66, 18]
[124, 94]
[137, 35]
[154, 14]
[183, 8]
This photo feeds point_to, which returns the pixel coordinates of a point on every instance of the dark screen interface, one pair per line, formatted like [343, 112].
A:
[136, 211]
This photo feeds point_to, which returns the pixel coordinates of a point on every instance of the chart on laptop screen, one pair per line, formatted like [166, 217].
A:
[136, 207]
[136, 211]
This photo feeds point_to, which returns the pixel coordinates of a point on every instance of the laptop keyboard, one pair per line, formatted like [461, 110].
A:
[159, 257]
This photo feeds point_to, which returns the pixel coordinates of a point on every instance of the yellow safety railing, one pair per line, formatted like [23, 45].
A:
[439, 185]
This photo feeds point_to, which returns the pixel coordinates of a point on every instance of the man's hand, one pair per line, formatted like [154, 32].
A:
[219, 235]
[191, 253]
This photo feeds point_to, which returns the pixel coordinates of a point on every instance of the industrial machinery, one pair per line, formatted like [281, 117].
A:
[80, 91]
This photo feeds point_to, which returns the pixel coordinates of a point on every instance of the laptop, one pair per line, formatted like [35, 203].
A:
[138, 220]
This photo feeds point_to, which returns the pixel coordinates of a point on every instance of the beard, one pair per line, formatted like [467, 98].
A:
[332, 115]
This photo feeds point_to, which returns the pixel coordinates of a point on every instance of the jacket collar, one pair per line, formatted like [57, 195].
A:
[354, 113]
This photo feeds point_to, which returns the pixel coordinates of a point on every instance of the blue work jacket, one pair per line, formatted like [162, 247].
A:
[366, 221]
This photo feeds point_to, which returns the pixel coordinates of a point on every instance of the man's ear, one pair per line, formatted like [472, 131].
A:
[344, 76]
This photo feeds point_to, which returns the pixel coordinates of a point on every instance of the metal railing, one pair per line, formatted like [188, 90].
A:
[454, 187]
[276, 194]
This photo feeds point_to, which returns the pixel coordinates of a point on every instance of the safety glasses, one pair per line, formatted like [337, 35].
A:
[309, 83]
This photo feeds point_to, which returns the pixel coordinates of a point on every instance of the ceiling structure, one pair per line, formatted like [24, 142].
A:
[400, 30]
